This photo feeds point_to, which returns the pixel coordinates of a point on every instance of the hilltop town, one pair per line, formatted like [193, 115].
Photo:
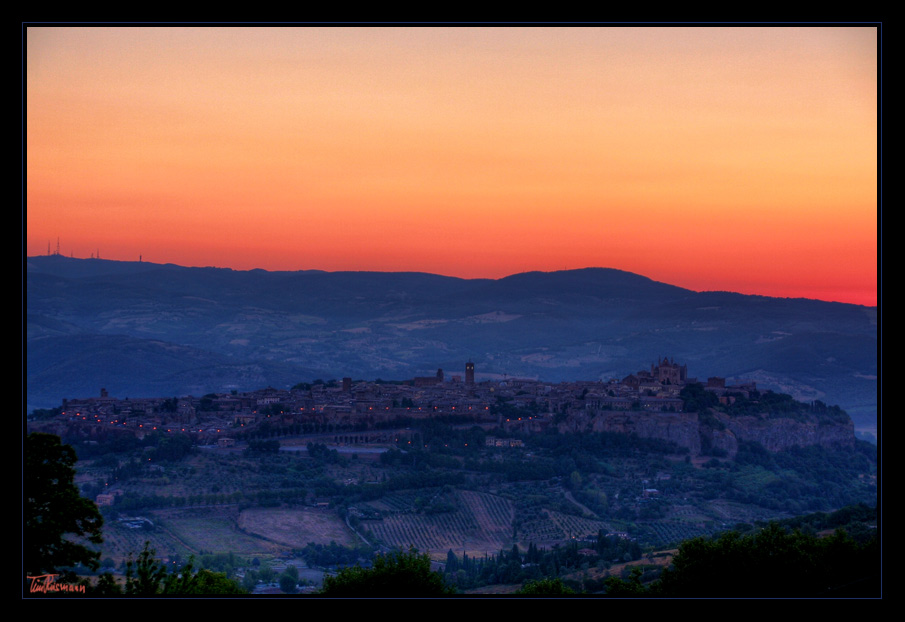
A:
[366, 403]
[647, 403]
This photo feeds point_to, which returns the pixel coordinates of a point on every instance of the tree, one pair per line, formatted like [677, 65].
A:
[106, 586]
[145, 575]
[452, 562]
[394, 574]
[250, 580]
[770, 563]
[292, 572]
[207, 582]
[773, 562]
[545, 587]
[148, 576]
[630, 586]
[288, 584]
[54, 509]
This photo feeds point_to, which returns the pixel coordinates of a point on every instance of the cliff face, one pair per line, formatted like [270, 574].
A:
[780, 434]
[686, 430]
[724, 440]
[681, 428]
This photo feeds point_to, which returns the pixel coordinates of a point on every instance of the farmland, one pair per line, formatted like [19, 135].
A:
[296, 527]
[480, 522]
[269, 501]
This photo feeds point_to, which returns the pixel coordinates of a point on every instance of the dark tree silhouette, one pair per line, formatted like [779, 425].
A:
[148, 576]
[54, 509]
[394, 574]
[545, 587]
[770, 563]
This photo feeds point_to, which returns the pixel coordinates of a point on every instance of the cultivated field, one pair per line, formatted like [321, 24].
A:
[554, 527]
[482, 523]
[296, 527]
[121, 541]
[253, 532]
[186, 532]
[211, 534]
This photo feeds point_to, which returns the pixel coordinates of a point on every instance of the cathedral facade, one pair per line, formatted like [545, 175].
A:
[668, 371]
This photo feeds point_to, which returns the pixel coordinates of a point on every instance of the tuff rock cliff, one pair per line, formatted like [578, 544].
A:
[717, 431]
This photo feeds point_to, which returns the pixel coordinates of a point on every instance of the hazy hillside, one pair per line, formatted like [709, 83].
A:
[150, 329]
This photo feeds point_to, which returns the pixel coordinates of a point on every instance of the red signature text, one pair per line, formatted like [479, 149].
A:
[49, 583]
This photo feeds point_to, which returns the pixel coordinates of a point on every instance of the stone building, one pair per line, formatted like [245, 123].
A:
[668, 371]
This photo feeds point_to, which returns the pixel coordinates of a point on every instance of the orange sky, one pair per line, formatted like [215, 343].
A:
[740, 159]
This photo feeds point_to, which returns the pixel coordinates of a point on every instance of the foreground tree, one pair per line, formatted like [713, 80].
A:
[288, 584]
[772, 563]
[54, 510]
[148, 576]
[394, 574]
[545, 587]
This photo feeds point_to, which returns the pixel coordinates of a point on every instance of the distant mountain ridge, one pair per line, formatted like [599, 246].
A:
[140, 329]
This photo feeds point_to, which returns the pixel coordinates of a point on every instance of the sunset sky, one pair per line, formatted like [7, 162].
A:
[740, 159]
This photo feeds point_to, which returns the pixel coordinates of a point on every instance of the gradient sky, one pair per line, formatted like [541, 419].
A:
[740, 159]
